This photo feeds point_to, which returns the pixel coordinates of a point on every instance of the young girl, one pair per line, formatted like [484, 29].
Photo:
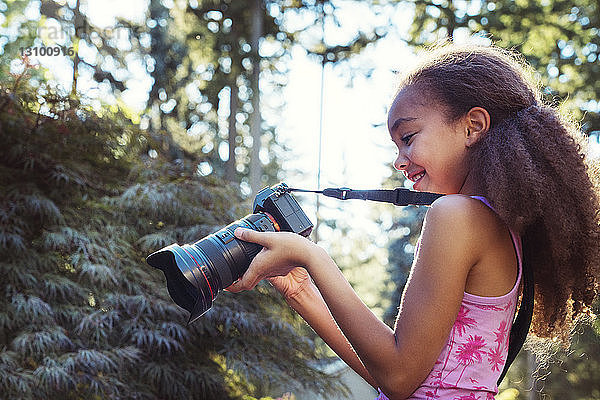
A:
[467, 123]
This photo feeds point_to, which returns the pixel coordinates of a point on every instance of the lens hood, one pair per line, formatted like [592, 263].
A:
[184, 287]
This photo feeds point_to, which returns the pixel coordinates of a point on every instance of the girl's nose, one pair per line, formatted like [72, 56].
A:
[401, 162]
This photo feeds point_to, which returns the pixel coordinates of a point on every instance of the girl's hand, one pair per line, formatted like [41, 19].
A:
[292, 283]
[281, 252]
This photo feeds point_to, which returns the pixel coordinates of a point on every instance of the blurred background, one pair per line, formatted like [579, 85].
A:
[129, 125]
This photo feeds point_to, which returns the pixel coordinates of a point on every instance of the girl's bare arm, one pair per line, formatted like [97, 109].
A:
[309, 303]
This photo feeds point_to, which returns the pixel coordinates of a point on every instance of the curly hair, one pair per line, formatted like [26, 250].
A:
[532, 168]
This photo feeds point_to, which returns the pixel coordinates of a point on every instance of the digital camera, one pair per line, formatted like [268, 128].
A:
[197, 272]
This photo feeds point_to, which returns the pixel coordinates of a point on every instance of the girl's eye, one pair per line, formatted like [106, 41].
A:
[406, 138]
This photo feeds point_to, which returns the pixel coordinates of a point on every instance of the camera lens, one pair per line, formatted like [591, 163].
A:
[197, 272]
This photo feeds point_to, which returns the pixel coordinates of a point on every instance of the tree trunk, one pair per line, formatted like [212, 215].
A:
[78, 30]
[233, 107]
[255, 119]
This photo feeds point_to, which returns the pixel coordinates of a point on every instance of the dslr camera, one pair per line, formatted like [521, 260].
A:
[197, 272]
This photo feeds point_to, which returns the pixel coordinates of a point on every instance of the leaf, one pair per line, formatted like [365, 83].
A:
[11, 241]
[60, 287]
[153, 340]
[65, 238]
[31, 307]
[93, 361]
[98, 324]
[98, 274]
[52, 376]
[125, 355]
[154, 241]
[18, 275]
[174, 330]
[41, 342]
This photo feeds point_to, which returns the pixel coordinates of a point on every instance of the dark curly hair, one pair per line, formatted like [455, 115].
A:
[531, 167]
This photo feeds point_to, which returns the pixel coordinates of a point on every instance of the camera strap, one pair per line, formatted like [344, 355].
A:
[522, 321]
[398, 196]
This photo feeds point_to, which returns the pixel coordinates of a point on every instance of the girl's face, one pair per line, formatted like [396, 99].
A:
[432, 150]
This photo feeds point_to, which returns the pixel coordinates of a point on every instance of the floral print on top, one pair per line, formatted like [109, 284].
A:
[475, 353]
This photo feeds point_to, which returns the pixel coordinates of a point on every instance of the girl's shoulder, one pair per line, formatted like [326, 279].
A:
[465, 208]
[474, 228]
[467, 218]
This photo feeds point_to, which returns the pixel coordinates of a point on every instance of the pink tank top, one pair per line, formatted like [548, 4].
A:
[475, 353]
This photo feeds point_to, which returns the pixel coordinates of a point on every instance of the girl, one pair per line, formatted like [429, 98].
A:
[468, 123]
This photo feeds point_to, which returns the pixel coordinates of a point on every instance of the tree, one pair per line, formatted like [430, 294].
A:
[237, 32]
[75, 30]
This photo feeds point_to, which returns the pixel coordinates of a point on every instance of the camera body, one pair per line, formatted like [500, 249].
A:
[197, 272]
[279, 203]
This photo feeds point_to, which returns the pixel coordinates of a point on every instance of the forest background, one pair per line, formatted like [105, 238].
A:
[158, 126]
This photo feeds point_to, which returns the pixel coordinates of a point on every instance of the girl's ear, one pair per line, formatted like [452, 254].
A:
[477, 123]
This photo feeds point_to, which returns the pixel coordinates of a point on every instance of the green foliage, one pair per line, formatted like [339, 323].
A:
[82, 315]
[560, 39]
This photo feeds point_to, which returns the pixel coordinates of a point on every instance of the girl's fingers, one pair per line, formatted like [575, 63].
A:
[241, 285]
[246, 282]
[249, 235]
[233, 288]
[249, 280]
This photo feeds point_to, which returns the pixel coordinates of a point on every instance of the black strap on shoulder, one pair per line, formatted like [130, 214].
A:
[404, 197]
[520, 327]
